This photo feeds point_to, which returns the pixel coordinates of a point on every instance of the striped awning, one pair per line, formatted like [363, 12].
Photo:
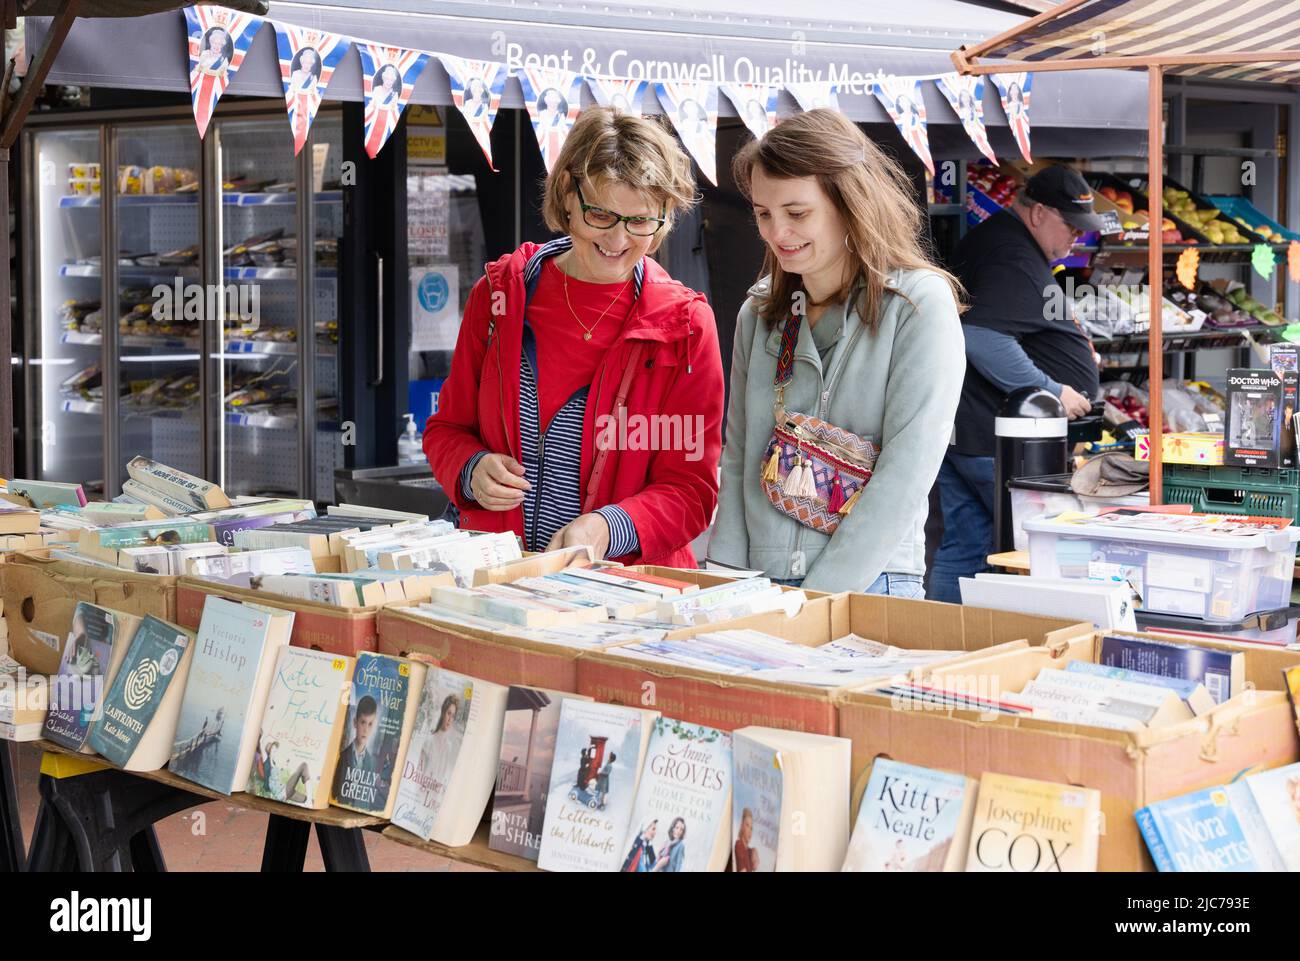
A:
[1189, 37]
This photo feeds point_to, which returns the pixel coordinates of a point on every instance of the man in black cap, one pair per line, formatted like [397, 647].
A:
[1017, 335]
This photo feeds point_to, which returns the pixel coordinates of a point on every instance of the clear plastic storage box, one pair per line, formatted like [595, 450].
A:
[1051, 494]
[1209, 575]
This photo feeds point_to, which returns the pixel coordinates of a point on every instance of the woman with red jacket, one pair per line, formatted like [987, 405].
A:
[584, 403]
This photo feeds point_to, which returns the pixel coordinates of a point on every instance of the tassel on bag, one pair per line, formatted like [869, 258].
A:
[836, 499]
[848, 504]
[809, 486]
[770, 471]
[794, 480]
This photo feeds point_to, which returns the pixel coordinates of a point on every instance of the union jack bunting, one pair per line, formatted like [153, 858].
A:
[619, 93]
[901, 98]
[307, 61]
[388, 76]
[966, 94]
[552, 97]
[693, 109]
[1013, 88]
[756, 104]
[811, 95]
[218, 41]
[476, 87]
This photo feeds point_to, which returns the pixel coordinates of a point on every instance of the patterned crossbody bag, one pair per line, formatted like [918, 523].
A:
[812, 470]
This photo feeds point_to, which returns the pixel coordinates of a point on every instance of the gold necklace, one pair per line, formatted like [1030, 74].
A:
[586, 331]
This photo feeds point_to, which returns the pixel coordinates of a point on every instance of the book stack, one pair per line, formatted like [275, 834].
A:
[23, 701]
[1249, 825]
[434, 546]
[1137, 683]
[364, 588]
[843, 662]
[21, 529]
[725, 602]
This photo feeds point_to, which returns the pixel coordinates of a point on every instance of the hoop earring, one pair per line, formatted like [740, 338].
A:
[847, 245]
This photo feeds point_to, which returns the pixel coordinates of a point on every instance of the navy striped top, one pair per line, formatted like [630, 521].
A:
[553, 460]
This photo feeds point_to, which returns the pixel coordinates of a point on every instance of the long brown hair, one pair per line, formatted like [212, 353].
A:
[869, 189]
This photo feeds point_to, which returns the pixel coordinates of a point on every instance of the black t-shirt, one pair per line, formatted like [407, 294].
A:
[1011, 289]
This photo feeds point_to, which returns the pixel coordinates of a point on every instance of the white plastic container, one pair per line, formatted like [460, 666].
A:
[1212, 576]
[1050, 495]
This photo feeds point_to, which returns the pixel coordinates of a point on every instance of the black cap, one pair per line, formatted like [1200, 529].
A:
[1064, 189]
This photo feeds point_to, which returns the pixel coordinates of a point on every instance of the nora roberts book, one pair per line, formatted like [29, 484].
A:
[1024, 826]
[912, 819]
[381, 713]
[599, 752]
[230, 681]
[138, 724]
[298, 746]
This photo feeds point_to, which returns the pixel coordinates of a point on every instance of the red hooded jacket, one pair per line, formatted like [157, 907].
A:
[669, 494]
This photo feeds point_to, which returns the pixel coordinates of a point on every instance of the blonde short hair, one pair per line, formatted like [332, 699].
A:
[607, 147]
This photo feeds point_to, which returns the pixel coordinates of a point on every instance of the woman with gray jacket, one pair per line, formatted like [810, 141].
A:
[852, 338]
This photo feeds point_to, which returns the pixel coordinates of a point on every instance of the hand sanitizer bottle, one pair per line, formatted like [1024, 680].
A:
[409, 450]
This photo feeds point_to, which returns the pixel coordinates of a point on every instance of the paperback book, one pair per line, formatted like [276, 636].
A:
[381, 714]
[599, 749]
[302, 728]
[532, 718]
[230, 681]
[436, 740]
[681, 820]
[1024, 825]
[912, 819]
[77, 688]
[138, 722]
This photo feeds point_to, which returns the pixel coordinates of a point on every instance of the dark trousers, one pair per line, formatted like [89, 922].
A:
[966, 495]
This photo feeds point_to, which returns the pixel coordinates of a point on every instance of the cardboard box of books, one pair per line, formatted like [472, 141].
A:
[1132, 745]
[40, 594]
[317, 625]
[777, 699]
[527, 621]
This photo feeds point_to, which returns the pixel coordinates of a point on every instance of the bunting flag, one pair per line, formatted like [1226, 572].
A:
[218, 41]
[388, 76]
[476, 87]
[1014, 90]
[813, 95]
[901, 97]
[693, 109]
[756, 104]
[966, 94]
[623, 95]
[552, 97]
[307, 61]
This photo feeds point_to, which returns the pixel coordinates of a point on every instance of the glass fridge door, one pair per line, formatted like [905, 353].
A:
[161, 301]
[256, 365]
[65, 322]
[326, 145]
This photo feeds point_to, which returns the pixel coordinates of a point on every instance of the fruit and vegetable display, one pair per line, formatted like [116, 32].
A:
[1208, 220]
[1237, 296]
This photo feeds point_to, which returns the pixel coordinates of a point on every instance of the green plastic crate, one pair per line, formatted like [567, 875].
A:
[1258, 491]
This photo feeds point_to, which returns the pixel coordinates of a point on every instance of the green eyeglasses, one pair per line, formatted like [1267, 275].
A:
[603, 219]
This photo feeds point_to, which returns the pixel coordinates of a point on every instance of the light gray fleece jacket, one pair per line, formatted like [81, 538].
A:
[898, 386]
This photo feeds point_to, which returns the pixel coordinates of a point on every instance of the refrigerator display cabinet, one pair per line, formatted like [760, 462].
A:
[218, 351]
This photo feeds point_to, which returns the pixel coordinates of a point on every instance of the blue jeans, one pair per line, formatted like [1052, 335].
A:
[966, 494]
[895, 585]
